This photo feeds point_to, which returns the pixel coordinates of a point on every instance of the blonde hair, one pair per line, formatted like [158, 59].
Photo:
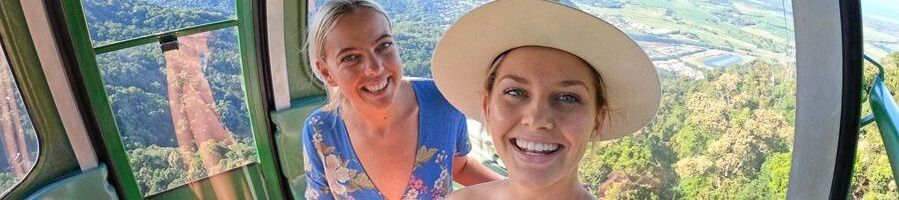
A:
[325, 19]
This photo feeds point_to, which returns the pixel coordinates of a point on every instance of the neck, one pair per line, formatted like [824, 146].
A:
[566, 188]
[379, 121]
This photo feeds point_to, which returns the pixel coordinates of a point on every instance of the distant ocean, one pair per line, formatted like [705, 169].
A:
[882, 8]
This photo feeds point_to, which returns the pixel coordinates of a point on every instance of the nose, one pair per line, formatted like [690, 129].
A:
[374, 66]
[536, 115]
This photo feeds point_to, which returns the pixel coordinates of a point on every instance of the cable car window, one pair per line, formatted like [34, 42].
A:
[725, 127]
[173, 75]
[873, 177]
[19, 151]
[117, 20]
[182, 114]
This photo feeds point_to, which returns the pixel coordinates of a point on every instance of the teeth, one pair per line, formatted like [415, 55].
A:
[377, 87]
[536, 147]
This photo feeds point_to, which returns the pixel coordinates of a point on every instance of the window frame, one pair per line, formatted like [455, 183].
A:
[852, 51]
[100, 108]
[54, 161]
[829, 77]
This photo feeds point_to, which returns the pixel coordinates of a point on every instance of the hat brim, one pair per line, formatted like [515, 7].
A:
[464, 55]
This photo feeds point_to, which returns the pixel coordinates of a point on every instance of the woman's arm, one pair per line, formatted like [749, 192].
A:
[468, 171]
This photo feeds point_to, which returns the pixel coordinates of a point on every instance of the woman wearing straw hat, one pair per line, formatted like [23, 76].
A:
[545, 87]
[381, 136]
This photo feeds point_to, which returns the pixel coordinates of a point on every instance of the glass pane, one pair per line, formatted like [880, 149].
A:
[725, 126]
[182, 114]
[116, 20]
[873, 178]
[19, 151]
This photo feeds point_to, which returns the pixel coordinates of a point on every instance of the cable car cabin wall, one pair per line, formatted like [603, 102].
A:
[205, 99]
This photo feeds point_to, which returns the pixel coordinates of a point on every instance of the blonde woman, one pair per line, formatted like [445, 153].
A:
[381, 136]
[545, 88]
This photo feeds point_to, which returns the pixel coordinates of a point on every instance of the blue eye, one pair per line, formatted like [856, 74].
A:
[349, 58]
[384, 46]
[514, 92]
[569, 98]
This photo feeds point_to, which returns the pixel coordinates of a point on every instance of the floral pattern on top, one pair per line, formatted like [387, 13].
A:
[333, 170]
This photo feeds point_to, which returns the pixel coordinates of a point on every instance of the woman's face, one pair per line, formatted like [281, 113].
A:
[542, 113]
[361, 60]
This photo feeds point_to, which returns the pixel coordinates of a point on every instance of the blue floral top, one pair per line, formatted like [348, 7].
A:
[333, 171]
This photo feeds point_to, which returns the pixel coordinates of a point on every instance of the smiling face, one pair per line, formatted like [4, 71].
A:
[542, 112]
[360, 59]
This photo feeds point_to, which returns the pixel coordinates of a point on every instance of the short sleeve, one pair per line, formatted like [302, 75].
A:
[462, 144]
[316, 184]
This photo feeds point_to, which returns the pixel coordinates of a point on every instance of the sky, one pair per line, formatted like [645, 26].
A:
[881, 8]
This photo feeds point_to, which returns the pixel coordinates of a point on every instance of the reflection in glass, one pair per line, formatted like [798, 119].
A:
[197, 124]
[725, 126]
[19, 141]
[182, 114]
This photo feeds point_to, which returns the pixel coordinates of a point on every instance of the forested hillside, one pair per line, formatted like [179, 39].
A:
[19, 148]
[207, 116]
[725, 134]
[722, 132]
[723, 137]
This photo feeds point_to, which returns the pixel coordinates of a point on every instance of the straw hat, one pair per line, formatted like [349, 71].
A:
[465, 53]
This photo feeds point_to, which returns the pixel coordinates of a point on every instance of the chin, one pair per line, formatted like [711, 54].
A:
[542, 176]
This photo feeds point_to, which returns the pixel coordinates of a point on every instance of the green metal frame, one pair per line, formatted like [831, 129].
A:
[155, 37]
[55, 156]
[120, 167]
[886, 113]
[93, 80]
[265, 144]
[302, 84]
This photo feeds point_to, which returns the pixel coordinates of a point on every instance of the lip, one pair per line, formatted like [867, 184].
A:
[532, 159]
[379, 93]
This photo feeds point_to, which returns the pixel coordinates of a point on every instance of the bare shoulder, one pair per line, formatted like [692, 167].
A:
[479, 191]
[464, 193]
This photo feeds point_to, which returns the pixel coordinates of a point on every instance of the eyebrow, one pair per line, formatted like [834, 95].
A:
[376, 41]
[344, 50]
[383, 36]
[515, 78]
[569, 83]
[566, 83]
